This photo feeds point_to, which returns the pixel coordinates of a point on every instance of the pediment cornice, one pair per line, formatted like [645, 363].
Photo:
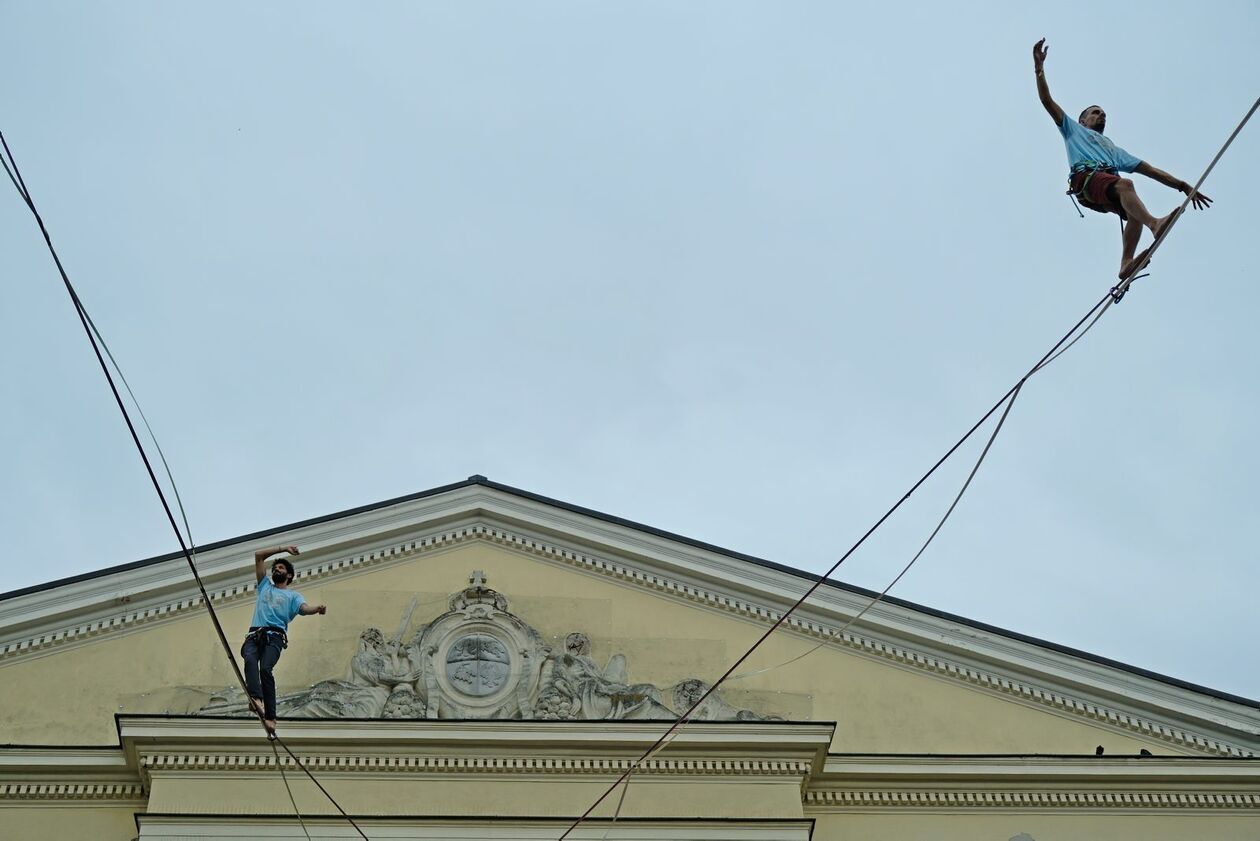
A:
[69, 775]
[1148, 784]
[425, 748]
[38, 623]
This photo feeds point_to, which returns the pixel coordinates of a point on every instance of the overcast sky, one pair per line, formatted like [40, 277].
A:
[741, 271]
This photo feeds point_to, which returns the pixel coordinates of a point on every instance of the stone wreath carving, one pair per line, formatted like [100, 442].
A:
[478, 660]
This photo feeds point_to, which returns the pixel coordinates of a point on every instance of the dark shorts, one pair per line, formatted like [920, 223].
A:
[1097, 191]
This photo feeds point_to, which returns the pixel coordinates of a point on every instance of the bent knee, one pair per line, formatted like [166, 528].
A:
[1124, 184]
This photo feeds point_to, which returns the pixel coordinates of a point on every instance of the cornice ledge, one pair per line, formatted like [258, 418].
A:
[743, 748]
[429, 765]
[97, 793]
[898, 799]
[463, 732]
[34, 759]
[844, 770]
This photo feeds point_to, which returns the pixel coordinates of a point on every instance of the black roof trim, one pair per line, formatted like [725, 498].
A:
[699, 544]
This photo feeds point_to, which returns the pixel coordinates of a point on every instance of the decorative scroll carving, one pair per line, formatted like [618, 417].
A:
[480, 661]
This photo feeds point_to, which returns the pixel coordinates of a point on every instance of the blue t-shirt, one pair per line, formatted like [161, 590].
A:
[1086, 145]
[275, 606]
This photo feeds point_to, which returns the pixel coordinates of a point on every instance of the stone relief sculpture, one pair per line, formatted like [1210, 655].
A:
[480, 661]
[576, 688]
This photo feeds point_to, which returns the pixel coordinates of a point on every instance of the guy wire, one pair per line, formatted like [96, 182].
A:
[682, 719]
[878, 598]
[1049, 357]
[285, 778]
[19, 183]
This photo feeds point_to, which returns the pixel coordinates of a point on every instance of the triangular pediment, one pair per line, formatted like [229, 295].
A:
[632, 608]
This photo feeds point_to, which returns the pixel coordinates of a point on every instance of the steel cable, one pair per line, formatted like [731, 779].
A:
[19, 183]
[1054, 352]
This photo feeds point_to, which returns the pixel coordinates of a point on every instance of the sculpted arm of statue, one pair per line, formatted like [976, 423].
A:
[261, 556]
[616, 670]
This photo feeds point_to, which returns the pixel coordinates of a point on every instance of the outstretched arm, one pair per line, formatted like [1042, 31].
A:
[308, 610]
[261, 556]
[1043, 89]
[1199, 200]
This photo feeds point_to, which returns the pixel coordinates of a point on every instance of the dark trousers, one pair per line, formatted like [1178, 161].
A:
[260, 659]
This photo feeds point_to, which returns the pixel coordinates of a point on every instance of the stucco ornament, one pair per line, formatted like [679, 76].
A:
[575, 687]
[478, 660]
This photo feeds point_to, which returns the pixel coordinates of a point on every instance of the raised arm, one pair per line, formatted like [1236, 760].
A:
[1043, 90]
[261, 556]
[1199, 200]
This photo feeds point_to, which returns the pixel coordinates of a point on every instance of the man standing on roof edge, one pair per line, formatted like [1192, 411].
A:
[276, 604]
[1094, 162]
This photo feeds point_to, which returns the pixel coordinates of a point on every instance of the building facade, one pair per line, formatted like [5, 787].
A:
[492, 661]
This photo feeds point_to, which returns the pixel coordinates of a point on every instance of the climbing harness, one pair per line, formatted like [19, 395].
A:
[265, 635]
[1078, 185]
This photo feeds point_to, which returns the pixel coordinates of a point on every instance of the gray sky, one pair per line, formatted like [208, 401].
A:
[737, 270]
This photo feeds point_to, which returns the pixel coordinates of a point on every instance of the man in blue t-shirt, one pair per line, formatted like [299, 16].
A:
[275, 606]
[1093, 163]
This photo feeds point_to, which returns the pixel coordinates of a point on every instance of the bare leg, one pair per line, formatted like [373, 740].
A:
[1139, 217]
[1133, 206]
[1132, 233]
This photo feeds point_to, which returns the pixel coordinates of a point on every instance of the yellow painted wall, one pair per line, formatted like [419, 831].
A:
[59, 821]
[70, 696]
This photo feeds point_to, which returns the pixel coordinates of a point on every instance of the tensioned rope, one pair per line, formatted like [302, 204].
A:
[1118, 291]
[1057, 350]
[783, 617]
[289, 789]
[192, 545]
[19, 183]
[838, 634]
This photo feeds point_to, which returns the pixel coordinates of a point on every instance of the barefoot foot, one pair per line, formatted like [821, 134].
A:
[1162, 225]
[1132, 266]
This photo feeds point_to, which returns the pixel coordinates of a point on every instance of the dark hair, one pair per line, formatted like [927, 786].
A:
[288, 565]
